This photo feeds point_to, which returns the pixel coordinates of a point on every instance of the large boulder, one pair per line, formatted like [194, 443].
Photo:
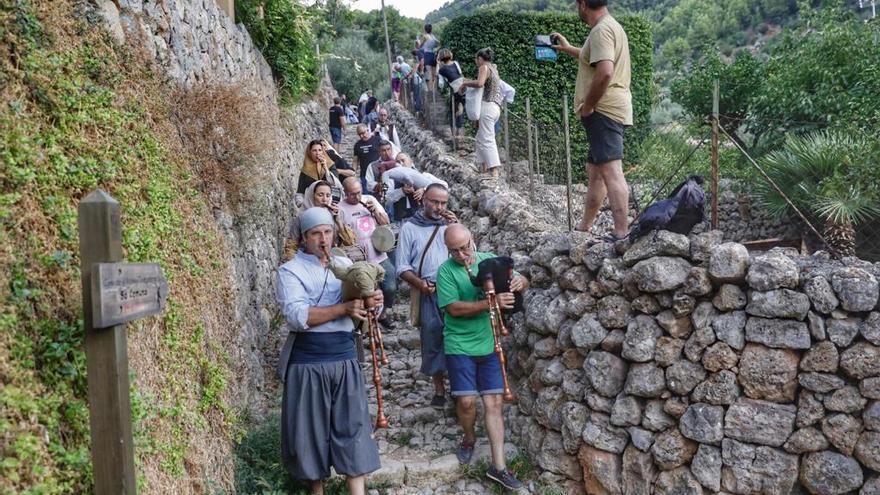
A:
[860, 361]
[601, 471]
[626, 411]
[660, 243]
[639, 472]
[759, 422]
[641, 338]
[605, 372]
[613, 312]
[683, 376]
[782, 334]
[729, 297]
[856, 289]
[868, 450]
[553, 458]
[728, 263]
[671, 449]
[645, 380]
[588, 333]
[842, 331]
[703, 423]
[843, 431]
[660, 274]
[751, 469]
[772, 271]
[706, 467]
[768, 374]
[599, 433]
[730, 328]
[830, 473]
[719, 389]
[822, 358]
[805, 440]
[779, 303]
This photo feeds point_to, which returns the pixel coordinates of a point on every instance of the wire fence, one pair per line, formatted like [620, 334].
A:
[753, 197]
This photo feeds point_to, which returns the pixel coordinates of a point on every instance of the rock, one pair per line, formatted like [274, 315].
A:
[871, 487]
[546, 348]
[782, 334]
[655, 419]
[599, 433]
[548, 407]
[683, 304]
[730, 328]
[706, 467]
[701, 338]
[559, 266]
[780, 303]
[660, 273]
[597, 254]
[613, 312]
[668, 350]
[573, 360]
[860, 361]
[870, 328]
[587, 333]
[664, 299]
[843, 431]
[846, 399]
[576, 278]
[756, 469]
[842, 332]
[704, 314]
[683, 376]
[768, 374]
[676, 406]
[638, 473]
[552, 374]
[671, 449]
[601, 470]
[697, 282]
[677, 327]
[659, 243]
[822, 357]
[554, 459]
[612, 275]
[579, 305]
[645, 380]
[646, 304]
[605, 372]
[598, 402]
[773, 271]
[810, 409]
[641, 338]
[719, 389]
[821, 294]
[678, 482]
[729, 297]
[868, 450]
[703, 244]
[719, 356]
[574, 419]
[626, 411]
[871, 416]
[613, 342]
[830, 473]
[817, 326]
[641, 438]
[703, 423]
[870, 388]
[820, 382]
[759, 422]
[805, 440]
[728, 263]
[574, 383]
[856, 289]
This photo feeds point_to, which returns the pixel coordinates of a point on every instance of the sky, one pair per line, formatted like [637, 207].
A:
[410, 8]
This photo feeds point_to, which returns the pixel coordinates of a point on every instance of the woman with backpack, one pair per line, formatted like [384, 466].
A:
[450, 73]
[490, 110]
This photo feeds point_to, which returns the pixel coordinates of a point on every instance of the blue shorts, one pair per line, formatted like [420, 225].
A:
[336, 134]
[473, 375]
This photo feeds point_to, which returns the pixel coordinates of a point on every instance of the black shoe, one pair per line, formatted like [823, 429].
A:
[504, 477]
[438, 402]
[465, 452]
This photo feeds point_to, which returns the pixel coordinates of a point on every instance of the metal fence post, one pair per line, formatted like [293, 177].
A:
[715, 105]
[567, 156]
[529, 136]
[506, 134]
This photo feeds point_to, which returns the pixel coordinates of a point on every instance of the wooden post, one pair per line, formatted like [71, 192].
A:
[715, 105]
[506, 135]
[537, 150]
[529, 136]
[387, 42]
[567, 156]
[100, 241]
[452, 118]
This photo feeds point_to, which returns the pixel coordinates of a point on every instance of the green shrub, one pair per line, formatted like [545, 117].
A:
[283, 31]
[511, 36]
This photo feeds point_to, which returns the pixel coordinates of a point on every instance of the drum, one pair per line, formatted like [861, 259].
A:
[354, 253]
[385, 238]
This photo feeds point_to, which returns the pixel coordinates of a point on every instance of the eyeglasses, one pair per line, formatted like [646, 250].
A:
[463, 251]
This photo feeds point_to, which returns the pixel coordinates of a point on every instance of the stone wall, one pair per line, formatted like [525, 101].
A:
[682, 365]
[195, 43]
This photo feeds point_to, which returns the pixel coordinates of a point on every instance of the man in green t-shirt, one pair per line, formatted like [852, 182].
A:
[603, 102]
[473, 367]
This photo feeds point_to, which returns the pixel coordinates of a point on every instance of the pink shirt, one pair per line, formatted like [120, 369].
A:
[363, 224]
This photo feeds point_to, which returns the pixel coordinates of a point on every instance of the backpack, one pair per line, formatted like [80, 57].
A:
[679, 213]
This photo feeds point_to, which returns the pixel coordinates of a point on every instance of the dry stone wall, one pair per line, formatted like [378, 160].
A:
[682, 365]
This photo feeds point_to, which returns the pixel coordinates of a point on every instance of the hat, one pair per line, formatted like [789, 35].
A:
[313, 217]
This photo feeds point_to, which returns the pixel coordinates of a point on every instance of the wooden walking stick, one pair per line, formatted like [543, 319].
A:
[373, 324]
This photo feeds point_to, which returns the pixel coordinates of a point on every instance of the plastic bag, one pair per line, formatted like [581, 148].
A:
[473, 101]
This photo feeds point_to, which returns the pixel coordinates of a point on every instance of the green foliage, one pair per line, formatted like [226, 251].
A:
[354, 68]
[402, 31]
[283, 31]
[831, 176]
[511, 35]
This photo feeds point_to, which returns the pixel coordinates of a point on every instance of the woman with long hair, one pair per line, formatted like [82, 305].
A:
[490, 110]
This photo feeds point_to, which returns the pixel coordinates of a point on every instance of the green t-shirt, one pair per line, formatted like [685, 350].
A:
[471, 335]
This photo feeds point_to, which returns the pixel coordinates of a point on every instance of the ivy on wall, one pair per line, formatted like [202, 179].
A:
[511, 35]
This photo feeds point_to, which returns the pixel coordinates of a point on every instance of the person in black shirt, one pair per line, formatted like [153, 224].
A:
[337, 123]
[366, 151]
[450, 73]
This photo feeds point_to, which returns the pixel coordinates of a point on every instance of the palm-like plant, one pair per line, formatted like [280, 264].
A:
[828, 176]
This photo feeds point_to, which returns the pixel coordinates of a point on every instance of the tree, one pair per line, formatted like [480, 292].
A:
[402, 31]
[354, 69]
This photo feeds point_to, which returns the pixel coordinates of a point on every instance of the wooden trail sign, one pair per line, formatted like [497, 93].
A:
[113, 293]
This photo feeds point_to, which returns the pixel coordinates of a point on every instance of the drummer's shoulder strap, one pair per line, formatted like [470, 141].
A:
[425, 250]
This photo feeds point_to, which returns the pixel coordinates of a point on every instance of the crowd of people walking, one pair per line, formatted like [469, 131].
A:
[364, 226]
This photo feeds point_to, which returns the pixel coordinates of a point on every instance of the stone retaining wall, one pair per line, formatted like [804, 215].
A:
[683, 365]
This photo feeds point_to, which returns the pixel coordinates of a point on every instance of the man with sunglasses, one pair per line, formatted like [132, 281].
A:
[473, 367]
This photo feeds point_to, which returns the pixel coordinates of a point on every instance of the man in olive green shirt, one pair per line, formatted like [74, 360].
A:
[473, 368]
[603, 101]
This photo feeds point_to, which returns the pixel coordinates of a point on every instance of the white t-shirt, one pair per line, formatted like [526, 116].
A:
[363, 224]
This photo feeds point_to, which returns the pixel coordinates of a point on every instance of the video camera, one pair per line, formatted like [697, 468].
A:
[544, 51]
